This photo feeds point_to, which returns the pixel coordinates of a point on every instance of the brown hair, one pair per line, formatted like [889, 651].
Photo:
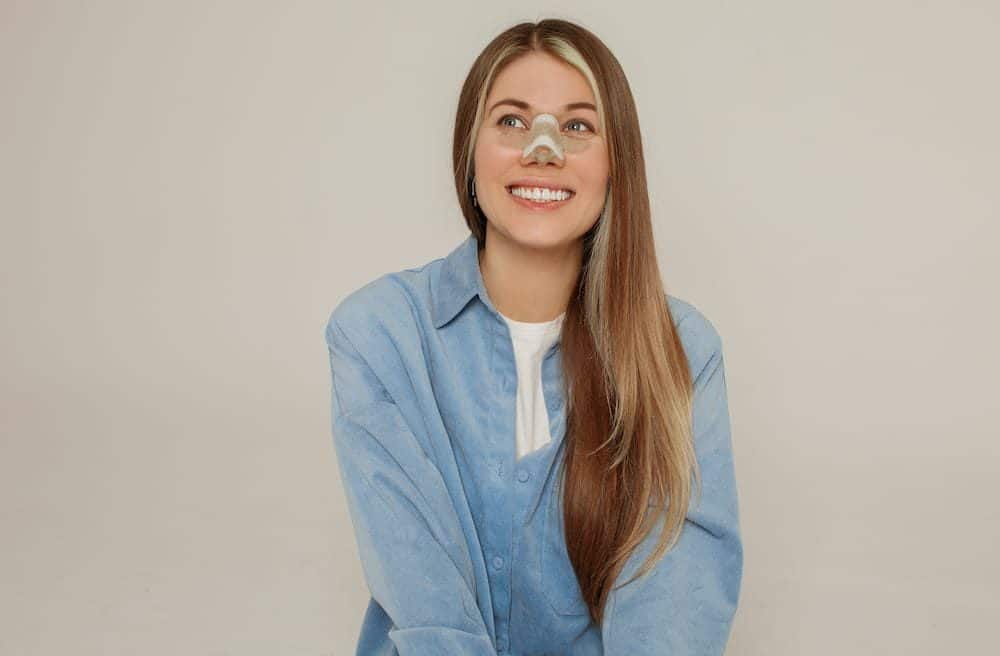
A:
[628, 436]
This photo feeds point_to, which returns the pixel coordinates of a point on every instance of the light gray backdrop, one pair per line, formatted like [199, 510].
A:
[188, 188]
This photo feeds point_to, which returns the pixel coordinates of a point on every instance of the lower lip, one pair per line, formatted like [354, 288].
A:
[530, 204]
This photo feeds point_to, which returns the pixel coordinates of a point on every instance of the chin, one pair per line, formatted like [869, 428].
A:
[540, 237]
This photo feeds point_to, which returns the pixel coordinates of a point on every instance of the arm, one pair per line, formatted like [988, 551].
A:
[412, 548]
[685, 605]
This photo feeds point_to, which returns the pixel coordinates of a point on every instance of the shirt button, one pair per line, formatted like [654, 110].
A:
[497, 562]
[523, 475]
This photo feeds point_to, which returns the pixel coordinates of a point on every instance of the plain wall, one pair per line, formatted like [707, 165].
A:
[188, 188]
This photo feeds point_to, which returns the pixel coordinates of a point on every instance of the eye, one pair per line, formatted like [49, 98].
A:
[512, 117]
[504, 118]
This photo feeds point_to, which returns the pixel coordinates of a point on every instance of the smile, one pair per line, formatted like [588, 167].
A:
[539, 197]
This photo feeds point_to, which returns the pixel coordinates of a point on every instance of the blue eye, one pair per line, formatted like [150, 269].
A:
[504, 118]
[583, 123]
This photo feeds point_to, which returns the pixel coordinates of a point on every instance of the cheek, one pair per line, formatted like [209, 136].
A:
[593, 167]
[488, 164]
[488, 150]
[596, 183]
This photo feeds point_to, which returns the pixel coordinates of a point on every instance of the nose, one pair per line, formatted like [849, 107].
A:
[543, 152]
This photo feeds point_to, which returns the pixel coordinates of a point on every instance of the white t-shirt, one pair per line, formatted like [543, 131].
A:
[531, 342]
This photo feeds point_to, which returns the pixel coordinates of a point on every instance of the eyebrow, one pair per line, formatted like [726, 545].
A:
[523, 105]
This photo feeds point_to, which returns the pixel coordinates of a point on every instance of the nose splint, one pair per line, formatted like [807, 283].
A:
[544, 142]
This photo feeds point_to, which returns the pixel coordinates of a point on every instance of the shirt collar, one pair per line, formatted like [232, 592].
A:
[459, 280]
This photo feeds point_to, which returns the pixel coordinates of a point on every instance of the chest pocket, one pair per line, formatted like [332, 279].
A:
[559, 583]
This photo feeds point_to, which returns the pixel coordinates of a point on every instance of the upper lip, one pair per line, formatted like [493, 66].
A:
[546, 183]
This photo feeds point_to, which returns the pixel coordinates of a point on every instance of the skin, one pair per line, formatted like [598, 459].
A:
[532, 260]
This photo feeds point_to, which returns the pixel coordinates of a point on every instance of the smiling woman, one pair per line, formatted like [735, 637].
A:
[548, 142]
[521, 424]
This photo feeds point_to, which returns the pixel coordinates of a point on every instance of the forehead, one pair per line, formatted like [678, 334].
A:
[545, 82]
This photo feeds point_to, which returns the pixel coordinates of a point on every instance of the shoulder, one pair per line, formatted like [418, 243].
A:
[698, 335]
[394, 304]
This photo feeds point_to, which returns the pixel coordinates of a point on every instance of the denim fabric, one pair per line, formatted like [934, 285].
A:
[461, 543]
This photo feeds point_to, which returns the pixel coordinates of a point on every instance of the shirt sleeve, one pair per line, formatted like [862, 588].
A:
[413, 552]
[686, 603]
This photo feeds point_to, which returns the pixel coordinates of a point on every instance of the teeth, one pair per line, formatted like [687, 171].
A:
[540, 194]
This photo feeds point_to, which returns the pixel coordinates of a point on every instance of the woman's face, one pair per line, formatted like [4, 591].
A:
[547, 85]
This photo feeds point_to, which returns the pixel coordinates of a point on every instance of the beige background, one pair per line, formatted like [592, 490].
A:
[188, 188]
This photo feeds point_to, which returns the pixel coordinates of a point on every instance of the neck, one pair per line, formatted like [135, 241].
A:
[529, 284]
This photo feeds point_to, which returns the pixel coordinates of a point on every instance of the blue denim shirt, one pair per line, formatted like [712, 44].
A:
[461, 543]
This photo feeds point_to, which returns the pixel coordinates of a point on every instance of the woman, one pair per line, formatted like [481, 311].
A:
[510, 420]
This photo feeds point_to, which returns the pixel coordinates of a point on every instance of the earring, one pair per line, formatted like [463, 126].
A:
[472, 191]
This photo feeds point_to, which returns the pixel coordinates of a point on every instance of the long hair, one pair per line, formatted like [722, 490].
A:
[629, 446]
